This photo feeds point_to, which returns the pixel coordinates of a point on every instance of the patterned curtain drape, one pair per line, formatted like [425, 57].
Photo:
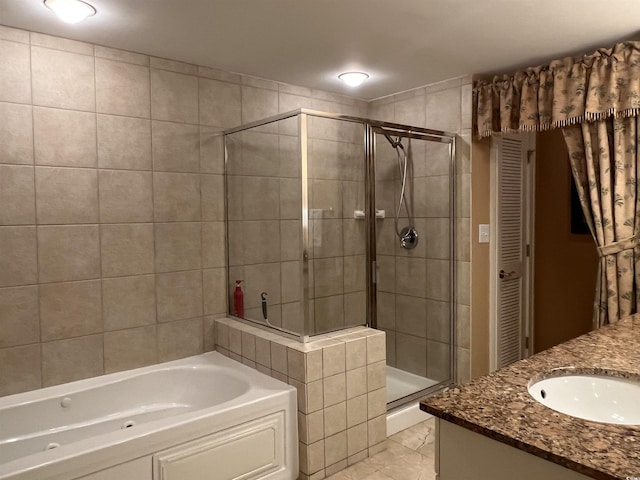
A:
[604, 162]
[565, 92]
[595, 100]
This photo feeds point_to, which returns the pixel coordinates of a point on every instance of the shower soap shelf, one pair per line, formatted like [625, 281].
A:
[359, 214]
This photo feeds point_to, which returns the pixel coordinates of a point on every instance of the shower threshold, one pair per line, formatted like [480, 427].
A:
[401, 384]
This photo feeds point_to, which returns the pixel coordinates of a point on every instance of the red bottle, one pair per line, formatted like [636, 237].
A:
[238, 300]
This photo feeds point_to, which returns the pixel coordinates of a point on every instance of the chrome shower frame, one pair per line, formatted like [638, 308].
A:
[371, 128]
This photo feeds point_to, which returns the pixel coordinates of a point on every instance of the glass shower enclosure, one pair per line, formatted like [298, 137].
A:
[336, 221]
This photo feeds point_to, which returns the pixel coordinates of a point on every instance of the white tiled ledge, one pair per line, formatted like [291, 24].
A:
[341, 383]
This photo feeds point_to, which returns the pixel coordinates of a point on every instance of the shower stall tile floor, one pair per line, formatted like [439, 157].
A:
[401, 383]
[410, 455]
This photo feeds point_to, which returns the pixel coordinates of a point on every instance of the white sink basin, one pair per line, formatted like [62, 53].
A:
[598, 398]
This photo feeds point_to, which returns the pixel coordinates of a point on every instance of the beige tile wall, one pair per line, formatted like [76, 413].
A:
[341, 385]
[413, 288]
[111, 204]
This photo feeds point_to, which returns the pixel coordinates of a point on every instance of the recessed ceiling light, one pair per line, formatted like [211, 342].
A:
[353, 79]
[70, 11]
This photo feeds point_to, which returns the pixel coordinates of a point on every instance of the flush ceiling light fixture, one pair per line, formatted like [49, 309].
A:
[353, 79]
[70, 11]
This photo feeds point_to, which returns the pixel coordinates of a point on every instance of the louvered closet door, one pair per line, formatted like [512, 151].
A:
[510, 249]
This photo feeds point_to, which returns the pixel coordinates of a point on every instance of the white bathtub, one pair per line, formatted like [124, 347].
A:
[172, 421]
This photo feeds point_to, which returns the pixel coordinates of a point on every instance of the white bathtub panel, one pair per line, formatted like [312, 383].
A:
[139, 469]
[251, 451]
[86, 454]
[100, 452]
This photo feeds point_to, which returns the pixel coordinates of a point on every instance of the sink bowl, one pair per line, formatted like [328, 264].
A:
[599, 398]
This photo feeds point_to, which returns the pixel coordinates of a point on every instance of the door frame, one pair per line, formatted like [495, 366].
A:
[529, 172]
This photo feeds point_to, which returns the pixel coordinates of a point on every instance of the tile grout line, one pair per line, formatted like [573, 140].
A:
[202, 216]
[153, 217]
[35, 213]
[96, 168]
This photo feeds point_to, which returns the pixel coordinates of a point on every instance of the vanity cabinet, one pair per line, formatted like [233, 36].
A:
[462, 454]
[523, 439]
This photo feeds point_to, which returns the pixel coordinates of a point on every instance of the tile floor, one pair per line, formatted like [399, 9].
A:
[409, 456]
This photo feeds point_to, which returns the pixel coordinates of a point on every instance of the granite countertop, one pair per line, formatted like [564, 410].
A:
[499, 406]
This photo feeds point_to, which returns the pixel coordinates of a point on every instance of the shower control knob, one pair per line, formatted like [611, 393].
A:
[409, 238]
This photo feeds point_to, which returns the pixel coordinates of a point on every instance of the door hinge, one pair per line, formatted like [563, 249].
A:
[526, 343]
[528, 250]
[529, 153]
[374, 272]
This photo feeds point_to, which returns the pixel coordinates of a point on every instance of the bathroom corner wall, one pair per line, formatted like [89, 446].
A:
[111, 204]
[340, 379]
[444, 106]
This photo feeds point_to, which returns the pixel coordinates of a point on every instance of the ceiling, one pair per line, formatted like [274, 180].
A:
[402, 44]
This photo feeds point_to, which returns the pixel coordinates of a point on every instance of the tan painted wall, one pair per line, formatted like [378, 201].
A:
[480, 212]
[565, 264]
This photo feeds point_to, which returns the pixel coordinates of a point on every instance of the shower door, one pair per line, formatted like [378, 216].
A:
[414, 258]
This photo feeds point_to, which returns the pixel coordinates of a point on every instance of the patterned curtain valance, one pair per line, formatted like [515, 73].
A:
[566, 92]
